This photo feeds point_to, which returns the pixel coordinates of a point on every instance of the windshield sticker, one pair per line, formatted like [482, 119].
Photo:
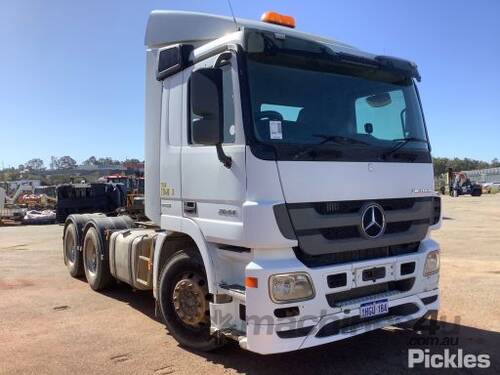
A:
[275, 130]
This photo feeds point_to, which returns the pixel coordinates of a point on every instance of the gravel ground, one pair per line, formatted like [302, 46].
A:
[51, 323]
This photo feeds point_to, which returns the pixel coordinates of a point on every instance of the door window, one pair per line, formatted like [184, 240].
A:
[229, 131]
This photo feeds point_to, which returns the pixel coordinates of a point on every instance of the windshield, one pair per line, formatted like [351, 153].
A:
[308, 112]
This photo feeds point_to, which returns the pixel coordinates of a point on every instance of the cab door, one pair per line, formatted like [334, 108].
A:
[213, 195]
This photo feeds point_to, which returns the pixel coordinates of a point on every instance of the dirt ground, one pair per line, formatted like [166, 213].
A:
[52, 323]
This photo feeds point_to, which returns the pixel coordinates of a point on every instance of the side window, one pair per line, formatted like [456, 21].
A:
[228, 100]
[387, 118]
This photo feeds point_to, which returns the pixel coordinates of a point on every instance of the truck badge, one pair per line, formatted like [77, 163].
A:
[373, 221]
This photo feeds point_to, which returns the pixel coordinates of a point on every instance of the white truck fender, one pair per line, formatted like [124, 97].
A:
[190, 228]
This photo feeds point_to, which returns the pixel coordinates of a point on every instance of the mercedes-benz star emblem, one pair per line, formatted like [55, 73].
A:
[373, 221]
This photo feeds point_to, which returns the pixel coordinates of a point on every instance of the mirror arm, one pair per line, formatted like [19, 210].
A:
[223, 158]
[223, 59]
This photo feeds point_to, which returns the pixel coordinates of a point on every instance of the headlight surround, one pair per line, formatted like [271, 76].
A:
[290, 287]
[431, 263]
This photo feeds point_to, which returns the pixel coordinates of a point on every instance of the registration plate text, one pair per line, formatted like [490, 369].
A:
[375, 308]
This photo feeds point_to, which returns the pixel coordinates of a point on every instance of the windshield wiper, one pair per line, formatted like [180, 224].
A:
[402, 142]
[340, 140]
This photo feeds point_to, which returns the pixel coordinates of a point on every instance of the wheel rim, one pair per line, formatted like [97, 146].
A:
[190, 300]
[70, 247]
[90, 256]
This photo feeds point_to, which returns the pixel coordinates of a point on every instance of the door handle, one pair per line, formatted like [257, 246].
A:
[190, 207]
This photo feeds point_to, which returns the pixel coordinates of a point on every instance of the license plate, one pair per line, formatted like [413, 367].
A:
[375, 308]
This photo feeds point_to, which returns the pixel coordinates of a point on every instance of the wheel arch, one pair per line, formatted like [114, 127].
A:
[104, 223]
[79, 221]
[168, 243]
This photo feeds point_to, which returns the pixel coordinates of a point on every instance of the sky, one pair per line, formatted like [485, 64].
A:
[72, 72]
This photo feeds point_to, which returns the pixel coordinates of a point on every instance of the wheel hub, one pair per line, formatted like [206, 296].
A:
[70, 247]
[190, 301]
[91, 256]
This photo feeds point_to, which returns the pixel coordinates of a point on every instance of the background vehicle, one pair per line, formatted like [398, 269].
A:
[9, 209]
[491, 187]
[457, 183]
[462, 185]
[134, 189]
[88, 198]
[289, 183]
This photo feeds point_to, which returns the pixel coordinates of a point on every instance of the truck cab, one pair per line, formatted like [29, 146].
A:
[303, 167]
[290, 180]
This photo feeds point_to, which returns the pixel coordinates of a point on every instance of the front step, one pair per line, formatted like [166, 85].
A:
[235, 291]
[235, 335]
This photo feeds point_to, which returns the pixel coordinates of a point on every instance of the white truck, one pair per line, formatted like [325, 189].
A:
[289, 184]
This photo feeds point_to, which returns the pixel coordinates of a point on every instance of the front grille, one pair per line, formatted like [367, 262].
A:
[345, 207]
[294, 333]
[354, 255]
[332, 230]
[404, 285]
[398, 227]
[437, 210]
[429, 300]
[338, 233]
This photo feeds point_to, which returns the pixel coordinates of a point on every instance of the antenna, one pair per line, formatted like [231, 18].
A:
[232, 12]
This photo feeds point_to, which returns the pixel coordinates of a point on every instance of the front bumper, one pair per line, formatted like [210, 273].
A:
[319, 320]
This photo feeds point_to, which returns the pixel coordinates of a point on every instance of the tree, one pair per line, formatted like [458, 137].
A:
[34, 164]
[441, 165]
[107, 161]
[90, 161]
[54, 162]
[132, 161]
[10, 174]
[66, 162]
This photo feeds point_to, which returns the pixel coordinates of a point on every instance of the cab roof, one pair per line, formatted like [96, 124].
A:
[167, 27]
[199, 29]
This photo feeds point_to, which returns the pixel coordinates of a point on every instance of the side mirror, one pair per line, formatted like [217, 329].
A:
[207, 106]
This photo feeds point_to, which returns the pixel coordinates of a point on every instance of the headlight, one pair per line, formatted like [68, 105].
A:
[288, 287]
[431, 263]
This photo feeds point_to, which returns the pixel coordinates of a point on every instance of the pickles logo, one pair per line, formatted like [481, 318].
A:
[448, 359]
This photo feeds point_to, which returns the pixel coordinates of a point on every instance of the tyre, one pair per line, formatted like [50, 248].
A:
[476, 192]
[184, 301]
[72, 256]
[96, 266]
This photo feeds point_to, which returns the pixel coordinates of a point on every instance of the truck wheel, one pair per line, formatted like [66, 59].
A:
[72, 256]
[184, 301]
[96, 268]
